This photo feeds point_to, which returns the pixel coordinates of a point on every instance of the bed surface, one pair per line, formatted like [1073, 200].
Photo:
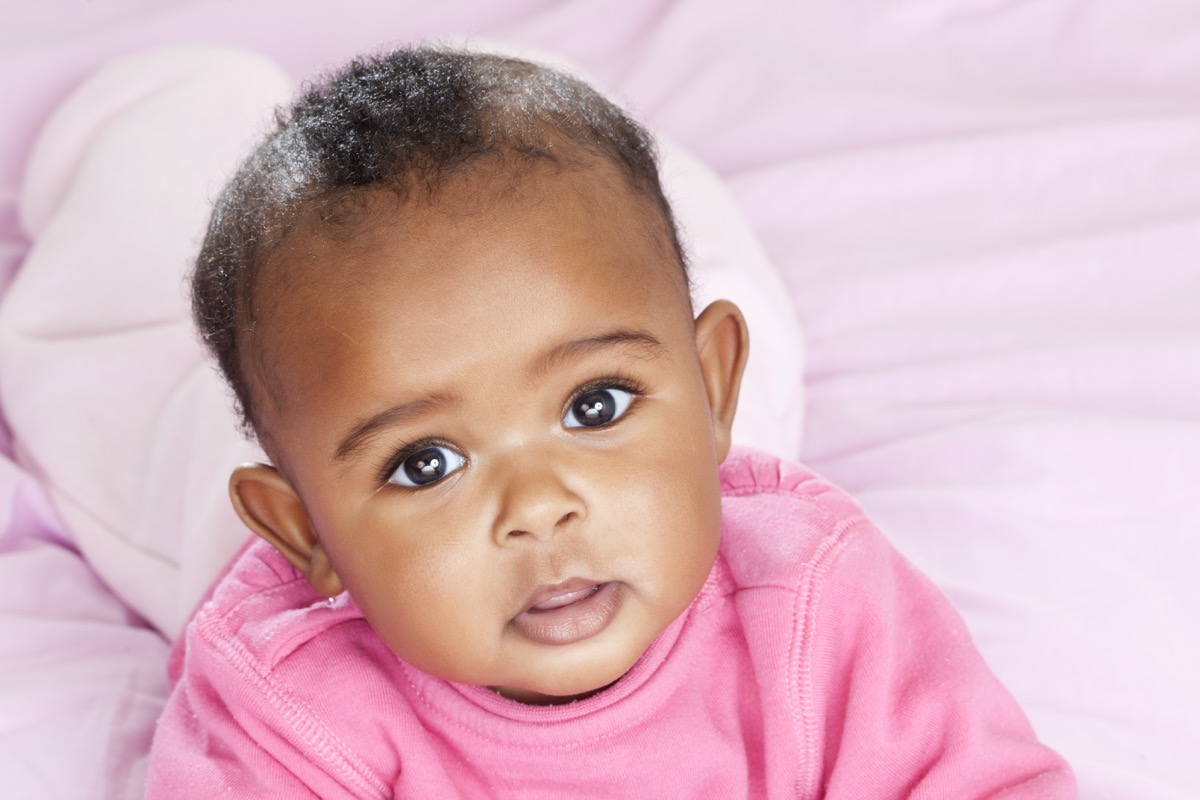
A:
[982, 217]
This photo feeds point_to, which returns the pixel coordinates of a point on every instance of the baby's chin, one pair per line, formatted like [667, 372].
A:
[560, 686]
[541, 698]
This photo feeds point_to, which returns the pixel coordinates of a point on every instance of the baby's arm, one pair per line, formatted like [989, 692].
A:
[905, 706]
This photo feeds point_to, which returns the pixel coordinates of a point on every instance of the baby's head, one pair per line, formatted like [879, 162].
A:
[450, 299]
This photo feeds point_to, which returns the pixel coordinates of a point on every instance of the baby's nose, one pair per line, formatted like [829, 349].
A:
[536, 503]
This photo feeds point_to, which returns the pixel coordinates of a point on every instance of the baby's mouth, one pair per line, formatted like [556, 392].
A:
[568, 612]
[560, 596]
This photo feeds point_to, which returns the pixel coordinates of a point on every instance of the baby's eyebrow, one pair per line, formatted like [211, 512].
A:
[639, 342]
[364, 431]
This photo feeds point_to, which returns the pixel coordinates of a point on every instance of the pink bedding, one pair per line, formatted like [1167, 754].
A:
[985, 215]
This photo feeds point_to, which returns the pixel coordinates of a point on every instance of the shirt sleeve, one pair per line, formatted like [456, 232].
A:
[903, 704]
[201, 751]
[234, 727]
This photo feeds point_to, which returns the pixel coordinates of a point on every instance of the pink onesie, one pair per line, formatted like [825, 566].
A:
[815, 662]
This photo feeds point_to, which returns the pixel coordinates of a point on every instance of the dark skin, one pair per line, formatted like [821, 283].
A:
[507, 425]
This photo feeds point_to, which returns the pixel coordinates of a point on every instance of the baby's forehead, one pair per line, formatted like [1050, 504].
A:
[498, 244]
[363, 221]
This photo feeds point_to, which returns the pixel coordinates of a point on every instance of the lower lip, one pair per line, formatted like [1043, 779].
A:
[571, 623]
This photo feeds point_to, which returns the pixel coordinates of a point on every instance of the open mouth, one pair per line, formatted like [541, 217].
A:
[563, 599]
[569, 612]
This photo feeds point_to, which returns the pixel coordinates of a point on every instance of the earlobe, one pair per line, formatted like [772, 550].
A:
[270, 507]
[723, 344]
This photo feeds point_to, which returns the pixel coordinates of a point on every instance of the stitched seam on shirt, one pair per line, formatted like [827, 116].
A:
[799, 685]
[746, 491]
[808, 597]
[235, 610]
[296, 714]
[811, 501]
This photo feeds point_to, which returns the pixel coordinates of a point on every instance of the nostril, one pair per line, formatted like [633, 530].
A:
[562, 521]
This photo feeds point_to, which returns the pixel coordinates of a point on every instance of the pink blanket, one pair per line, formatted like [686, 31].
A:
[986, 217]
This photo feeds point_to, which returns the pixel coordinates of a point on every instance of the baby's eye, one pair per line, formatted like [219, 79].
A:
[597, 407]
[427, 465]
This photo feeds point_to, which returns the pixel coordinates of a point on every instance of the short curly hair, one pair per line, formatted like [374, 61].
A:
[408, 121]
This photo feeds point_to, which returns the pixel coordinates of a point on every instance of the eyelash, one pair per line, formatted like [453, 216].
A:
[403, 450]
[621, 382]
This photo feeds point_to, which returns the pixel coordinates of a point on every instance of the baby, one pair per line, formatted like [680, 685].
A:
[506, 546]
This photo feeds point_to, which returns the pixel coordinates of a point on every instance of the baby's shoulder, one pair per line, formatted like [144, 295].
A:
[265, 610]
[780, 520]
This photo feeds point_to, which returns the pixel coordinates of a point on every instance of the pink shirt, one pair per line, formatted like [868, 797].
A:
[815, 662]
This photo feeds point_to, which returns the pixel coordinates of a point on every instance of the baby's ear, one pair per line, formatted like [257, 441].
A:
[270, 507]
[723, 343]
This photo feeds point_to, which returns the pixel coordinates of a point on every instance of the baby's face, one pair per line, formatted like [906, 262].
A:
[497, 422]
